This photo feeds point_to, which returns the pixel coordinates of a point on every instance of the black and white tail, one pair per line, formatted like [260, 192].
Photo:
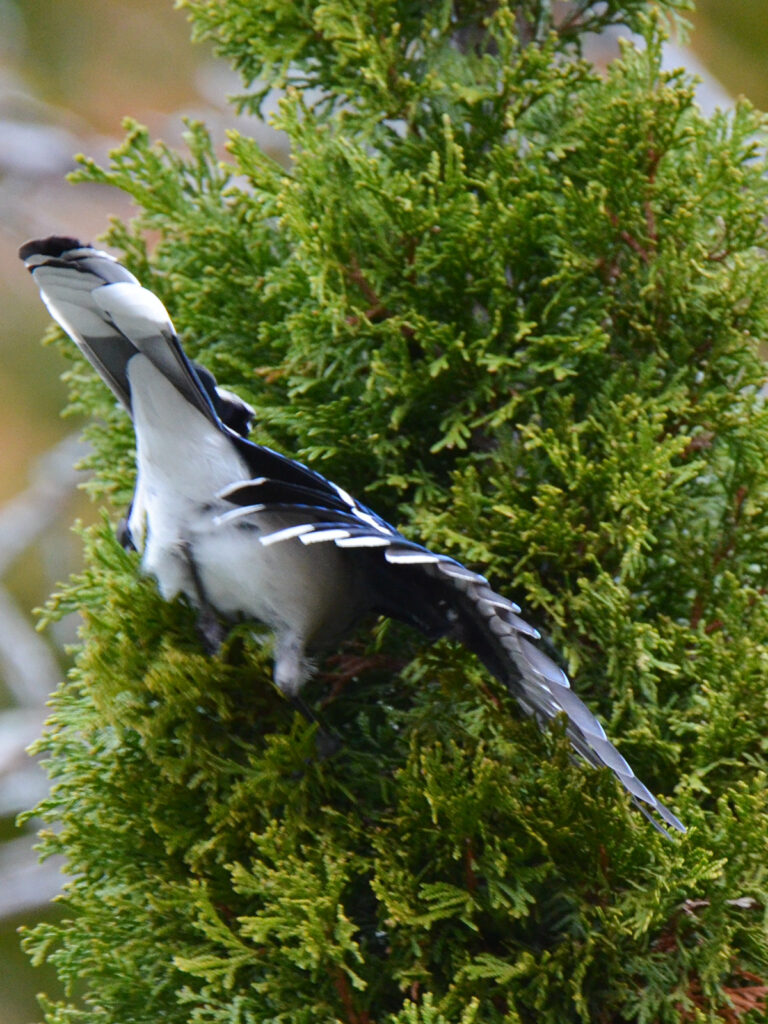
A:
[110, 316]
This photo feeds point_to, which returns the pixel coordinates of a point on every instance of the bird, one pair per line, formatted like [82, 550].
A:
[244, 532]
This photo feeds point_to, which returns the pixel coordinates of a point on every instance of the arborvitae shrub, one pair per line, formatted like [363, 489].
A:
[515, 305]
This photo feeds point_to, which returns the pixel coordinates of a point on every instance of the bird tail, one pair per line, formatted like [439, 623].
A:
[110, 316]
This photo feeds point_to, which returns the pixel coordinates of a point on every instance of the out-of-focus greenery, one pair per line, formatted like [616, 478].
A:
[731, 39]
[103, 60]
[19, 981]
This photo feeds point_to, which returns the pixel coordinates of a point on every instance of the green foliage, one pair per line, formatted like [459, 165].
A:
[515, 305]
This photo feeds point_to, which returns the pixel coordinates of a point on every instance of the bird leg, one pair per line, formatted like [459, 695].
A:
[326, 743]
[209, 626]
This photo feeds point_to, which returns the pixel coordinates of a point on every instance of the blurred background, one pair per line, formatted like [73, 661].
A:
[70, 70]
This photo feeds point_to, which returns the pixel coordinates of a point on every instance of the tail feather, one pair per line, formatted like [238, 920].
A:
[110, 316]
[67, 273]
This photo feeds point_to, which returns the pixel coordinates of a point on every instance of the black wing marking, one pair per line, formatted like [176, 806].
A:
[273, 471]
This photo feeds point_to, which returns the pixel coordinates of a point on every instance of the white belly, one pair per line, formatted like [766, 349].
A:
[314, 593]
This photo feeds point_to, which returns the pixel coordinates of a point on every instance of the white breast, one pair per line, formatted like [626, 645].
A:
[313, 593]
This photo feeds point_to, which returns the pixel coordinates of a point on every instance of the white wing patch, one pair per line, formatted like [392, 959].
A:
[238, 485]
[237, 513]
[405, 557]
[369, 520]
[364, 541]
[286, 534]
[319, 536]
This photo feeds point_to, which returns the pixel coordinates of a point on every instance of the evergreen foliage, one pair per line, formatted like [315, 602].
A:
[513, 304]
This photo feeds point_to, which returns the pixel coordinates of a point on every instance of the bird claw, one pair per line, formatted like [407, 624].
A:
[210, 630]
[327, 744]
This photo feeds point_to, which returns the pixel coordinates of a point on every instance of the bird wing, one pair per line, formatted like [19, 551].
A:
[438, 594]
[283, 481]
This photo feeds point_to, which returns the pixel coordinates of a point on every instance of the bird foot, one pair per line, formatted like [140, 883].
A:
[327, 744]
[211, 631]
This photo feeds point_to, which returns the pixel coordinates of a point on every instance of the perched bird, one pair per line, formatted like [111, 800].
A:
[246, 533]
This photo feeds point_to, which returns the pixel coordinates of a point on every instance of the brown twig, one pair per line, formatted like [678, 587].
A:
[341, 984]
